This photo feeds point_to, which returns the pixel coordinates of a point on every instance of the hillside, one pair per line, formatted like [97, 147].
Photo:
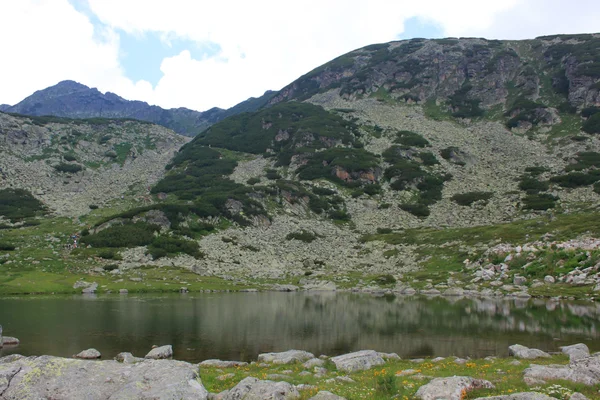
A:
[419, 162]
[73, 100]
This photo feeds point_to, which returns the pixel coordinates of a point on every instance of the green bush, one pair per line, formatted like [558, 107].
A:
[110, 267]
[163, 246]
[428, 158]
[93, 207]
[466, 199]
[69, 157]
[386, 279]
[322, 191]
[273, 175]
[384, 231]
[6, 247]
[127, 235]
[321, 165]
[68, 168]
[462, 105]
[589, 111]
[585, 160]
[592, 125]
[17, 204]
[416, 209]
[303, 236]
[340, 215]
[109, 254]
[577, 179]
[541, 201]
[253, 181]
[533, 185]
[411, 139]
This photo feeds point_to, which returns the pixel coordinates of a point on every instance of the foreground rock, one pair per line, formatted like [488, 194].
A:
[254, 389]
[48, 377]
[586, 371]
[452, 388]
[286, 357]
[358, 361]
[89, 354]
[325, 395]
[519, 351]
[128, 358]
[520, 396]
[576, 351]
[9, 341]
[221, 364]
[160, 353]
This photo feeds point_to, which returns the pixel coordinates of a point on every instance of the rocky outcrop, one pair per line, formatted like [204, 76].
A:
[89, 354]
[452, 388]
[221, 364]
[255, 389]
[576, 351]
[357, 361]
[286, 357]
[585, 371]
[519, 351]
[60, 378]
[161, 352]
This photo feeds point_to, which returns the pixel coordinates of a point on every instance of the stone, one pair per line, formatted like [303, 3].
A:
[90, 289]
[284, 288]
[519, 280]
[63, 378]
[225, 377]
[549, 279]
[286, 357]
[254, 389]
[89, 354]
[429, 292]
[160, 353]
[313, 362]
[128, 358]
[519, 396]
[358, 361]
[325, 395]
[454, 291]
[576, 351]
[452, 388]
[578, 396]
[9, 341]
[406, 372]
[123, 291]
[221, 364]
[586, 371]
[389, 356]
[519, 351]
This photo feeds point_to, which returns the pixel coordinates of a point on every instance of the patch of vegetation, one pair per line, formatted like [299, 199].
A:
[416, 209]
[411, 139]
[253, 181]
[466, 199]
[68, 168]
[539, 201]
[163, 246]
[303, 236]
[523, 110]
[109, 254]
[585, 160]
[17, 204]
[69, 157]
[463, 106]
[576, 179]
[589, 111]
[452, 154]
[6, 246]
[428, 158]
[592, 124]
[533, 185]
[323, 164]
[272, 174]
[126, 235]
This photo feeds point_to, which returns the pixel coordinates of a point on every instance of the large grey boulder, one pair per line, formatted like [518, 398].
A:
[452, 388]
[586, 371]
[325, 395]
[358, 361]
[160, 353]
[221, 364]
[48, 377]
[519, 351]
[519, 396]
[576, 351]
[253, 389]
[286, 357]
[90, 289]
[89, 354]
[9, 341]
[128, 358]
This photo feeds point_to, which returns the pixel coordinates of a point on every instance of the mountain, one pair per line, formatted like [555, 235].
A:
[446, 162]
[74, 100]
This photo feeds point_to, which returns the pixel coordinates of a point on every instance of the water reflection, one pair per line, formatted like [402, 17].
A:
[241, 325]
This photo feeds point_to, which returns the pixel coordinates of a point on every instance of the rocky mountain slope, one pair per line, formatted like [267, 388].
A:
[74, 100]
[385, 162]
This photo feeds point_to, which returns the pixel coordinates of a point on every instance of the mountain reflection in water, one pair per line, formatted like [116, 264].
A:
[239, 326]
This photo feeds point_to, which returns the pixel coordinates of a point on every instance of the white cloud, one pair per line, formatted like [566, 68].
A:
[265, 43]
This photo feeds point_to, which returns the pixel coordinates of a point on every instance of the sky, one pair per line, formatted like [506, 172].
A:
[202, 54]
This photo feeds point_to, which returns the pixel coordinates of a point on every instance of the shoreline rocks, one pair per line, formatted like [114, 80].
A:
[89, 354]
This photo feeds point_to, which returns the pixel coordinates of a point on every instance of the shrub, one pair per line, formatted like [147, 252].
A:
[535, 171]
[6, 247]
[428, 158]
[589, 111]
[322, 164]
[339, 215]
[126, 235]
[411, 139]
[93, 207]
[462, 105]
[17, 204]
[303, 236]
[323, 191]
[576, 179]
[532, 185]
[592, 125]
[273, 175]
[253, 181]
[69, 157]
[541, 201]
[384, 231]
[466, 199]
[163, 246]
[416, 209]
[109, 254]
[110, 267]
[386, 279]
[68, 168]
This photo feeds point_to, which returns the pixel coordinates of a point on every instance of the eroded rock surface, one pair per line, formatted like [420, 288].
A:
[357, 361]
[519, 351]
[286, 357]
[452, 388]
[255, 389]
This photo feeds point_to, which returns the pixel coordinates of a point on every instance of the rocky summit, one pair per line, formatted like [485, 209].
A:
[465, 162]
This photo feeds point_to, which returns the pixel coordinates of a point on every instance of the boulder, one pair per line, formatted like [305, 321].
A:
[90, 289]
[313, 362]
[454, 291]
[519, 280]
[549, 279]
[519, 396]
[586, 371]
[89, 354]
[578, 396]
[128, 358]
[452, 388]
[160, 353]
[253, 389]
[286, 357]
[325, 395]
[9, 341]
[123, 291]
[221, 364]
[358, 361]
[48, 377]
[576, 351]
[284, 288]
[519, 351]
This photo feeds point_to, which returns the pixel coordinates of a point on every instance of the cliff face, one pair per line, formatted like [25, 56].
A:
[74, 100]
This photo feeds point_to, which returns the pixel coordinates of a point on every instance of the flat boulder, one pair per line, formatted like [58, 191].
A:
[586, 371]
[452, 388]
[254, 389]
[221, 364]
[519, 396]
[89, 354]
[9, 341]
[286, 357]
[519, 351]
[313, 362]
[325, 395]
[358, 361]
[161, 352]
[128, 358]
[48, 377]
[576, 351]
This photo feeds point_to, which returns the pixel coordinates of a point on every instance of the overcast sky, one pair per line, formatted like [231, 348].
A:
[201, 54]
